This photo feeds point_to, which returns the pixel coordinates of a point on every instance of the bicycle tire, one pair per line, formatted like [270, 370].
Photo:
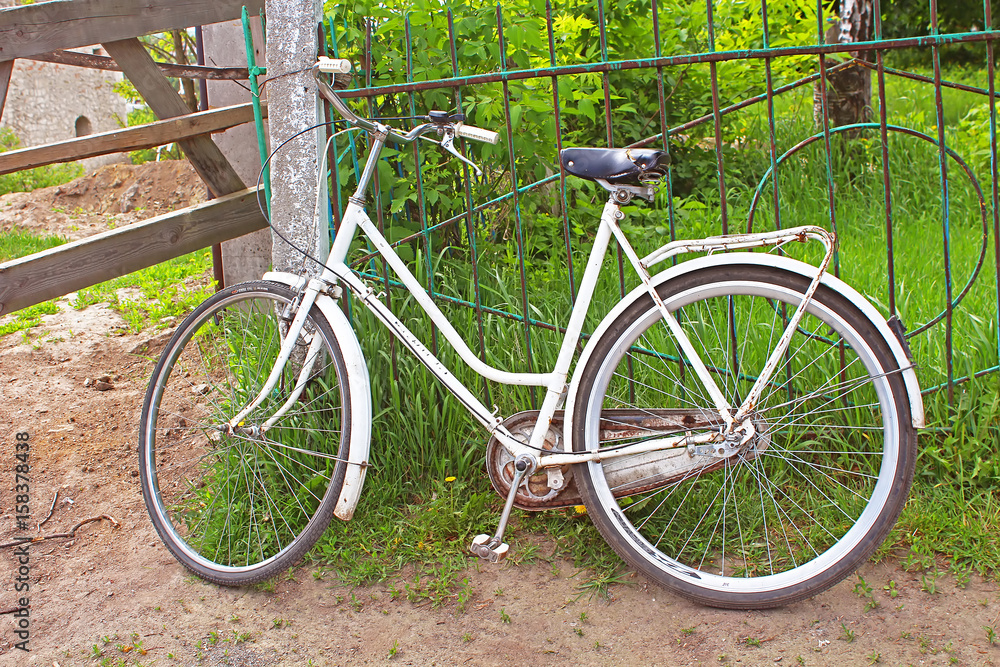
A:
[241, 506]
[800, 506]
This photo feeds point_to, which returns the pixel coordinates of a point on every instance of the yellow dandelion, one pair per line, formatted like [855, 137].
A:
[580, 509]
[449, 479]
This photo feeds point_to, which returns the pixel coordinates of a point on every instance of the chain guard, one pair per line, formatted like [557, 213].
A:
[627, 476]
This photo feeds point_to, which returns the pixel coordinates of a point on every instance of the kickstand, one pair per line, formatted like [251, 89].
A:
[493, 548]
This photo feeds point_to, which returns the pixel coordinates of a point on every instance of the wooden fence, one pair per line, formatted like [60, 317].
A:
[44, 32]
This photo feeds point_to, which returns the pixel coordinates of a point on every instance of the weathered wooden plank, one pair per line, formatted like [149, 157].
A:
[67, 268]
[105, 63]
[33, 29]
[204, 155]
[158, 133]
[143, 73]
[5, 69]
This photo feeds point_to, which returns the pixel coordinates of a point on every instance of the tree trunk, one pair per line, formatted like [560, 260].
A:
[187, 85]
[849, 91]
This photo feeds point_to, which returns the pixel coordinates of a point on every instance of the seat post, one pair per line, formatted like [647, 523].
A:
[622, 194]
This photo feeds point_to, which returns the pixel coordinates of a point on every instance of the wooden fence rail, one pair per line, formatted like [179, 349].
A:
[136, 138]
[43, 32]
[169, 69]
[31, 30]
[67, 268]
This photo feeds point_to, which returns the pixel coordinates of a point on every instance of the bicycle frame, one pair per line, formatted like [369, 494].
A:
[336, 271]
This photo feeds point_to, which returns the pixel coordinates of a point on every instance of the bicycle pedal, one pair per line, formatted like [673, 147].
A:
[489, 548]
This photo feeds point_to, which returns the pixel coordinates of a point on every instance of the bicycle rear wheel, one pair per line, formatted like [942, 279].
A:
[239, 506]
[798, 507]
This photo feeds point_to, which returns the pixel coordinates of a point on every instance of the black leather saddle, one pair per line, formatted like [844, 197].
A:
[621, 166]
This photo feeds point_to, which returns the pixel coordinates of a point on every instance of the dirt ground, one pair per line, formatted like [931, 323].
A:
[113, 595]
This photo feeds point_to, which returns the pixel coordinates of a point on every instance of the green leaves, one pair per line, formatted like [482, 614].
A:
[410, 40]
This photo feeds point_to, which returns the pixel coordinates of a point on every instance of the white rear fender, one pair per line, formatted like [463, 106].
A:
[755, 259]
[360, 424]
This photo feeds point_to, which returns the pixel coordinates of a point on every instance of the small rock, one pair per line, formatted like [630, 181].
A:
[103, 386]
[200, 389]
[129, 197]
[87, 382]
[106, 377]
[134, 473]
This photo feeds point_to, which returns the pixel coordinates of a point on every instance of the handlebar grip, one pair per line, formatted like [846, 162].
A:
[476, 133]
[334, 65]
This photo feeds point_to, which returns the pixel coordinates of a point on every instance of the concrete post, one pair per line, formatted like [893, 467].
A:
[293, 105]
[249, 256]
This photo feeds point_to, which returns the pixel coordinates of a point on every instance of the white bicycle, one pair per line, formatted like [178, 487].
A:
[741, 427]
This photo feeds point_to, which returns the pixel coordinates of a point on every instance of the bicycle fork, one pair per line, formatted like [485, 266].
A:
[301, 308]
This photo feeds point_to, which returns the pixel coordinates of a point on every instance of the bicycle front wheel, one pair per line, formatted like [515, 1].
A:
[239, 505]
[784, 515]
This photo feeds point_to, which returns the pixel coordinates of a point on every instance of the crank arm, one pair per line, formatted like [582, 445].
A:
[494, 549]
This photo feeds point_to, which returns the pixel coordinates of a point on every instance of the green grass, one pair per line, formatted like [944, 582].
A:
[28, 317]
[163, 291]
[31, 179]
[18, 243]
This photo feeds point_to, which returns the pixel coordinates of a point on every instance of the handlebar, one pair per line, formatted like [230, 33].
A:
[341, 68]
[333, 65]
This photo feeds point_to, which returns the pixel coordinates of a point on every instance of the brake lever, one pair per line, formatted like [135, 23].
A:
[448, 143]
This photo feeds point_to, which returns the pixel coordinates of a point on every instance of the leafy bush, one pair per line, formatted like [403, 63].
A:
[417, 192]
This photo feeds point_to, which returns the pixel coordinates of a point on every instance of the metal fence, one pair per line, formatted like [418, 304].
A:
[758, 107]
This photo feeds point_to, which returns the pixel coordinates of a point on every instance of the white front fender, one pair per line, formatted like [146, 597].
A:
[359, 427]
[756, 259]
